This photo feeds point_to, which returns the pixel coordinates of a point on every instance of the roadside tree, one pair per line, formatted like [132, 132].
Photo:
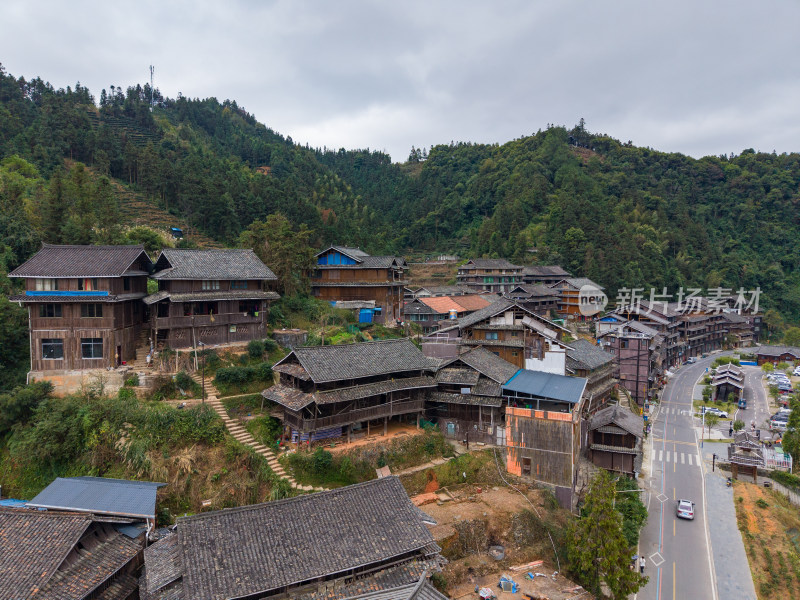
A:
[711, 420]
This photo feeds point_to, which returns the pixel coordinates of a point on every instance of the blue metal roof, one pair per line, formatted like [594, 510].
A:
[100, 496]
[546, 386]
[13, 503]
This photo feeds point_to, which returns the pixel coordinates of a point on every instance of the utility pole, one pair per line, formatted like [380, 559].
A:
[152, 68]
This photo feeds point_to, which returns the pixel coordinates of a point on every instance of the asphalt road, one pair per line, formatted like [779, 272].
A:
[678, 551]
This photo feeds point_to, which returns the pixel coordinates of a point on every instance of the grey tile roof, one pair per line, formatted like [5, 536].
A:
[533, 291]
[457, 376]
[354, 361]
[494, 308]
[470, 399]
[290, 397]
[83, 261]
[583, 354]
[489, 263]
[374, 389]
[417, 307]
[546, 271]
[421, 590]
[778, 351]
[40, 541]
[98, 495]
[264, 547]
[108, 553]
[221, 295]
[164, 565]
[74, 299]
[619, 416]
[547, 386]
[363, 260]
[577, 282]
[211, 264]
[489, 364]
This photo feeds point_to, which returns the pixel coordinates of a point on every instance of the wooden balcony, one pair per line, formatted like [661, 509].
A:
[389, 409]
[235, 318]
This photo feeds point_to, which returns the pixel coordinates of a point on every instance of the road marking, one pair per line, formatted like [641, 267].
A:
[674, 497]
[673, 580]
[673, 529]
[690, 459]
[667, 455]
[660, 455]
[683, 458]
[674, 442]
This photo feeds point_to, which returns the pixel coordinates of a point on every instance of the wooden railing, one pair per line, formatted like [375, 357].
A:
[205, 320]
[354, 416]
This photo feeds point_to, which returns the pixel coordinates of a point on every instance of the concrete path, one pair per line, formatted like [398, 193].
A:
[734, 579]
[241, 435]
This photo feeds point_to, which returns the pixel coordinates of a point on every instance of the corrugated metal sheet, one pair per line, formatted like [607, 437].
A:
[547, 385]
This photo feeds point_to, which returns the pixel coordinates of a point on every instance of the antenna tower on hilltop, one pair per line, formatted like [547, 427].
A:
[152, 68]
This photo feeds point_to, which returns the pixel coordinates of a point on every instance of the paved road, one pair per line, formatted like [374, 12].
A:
[678, 551]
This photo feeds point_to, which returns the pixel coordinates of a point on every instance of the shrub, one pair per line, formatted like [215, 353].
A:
[321, 461]
[183, 381]
[788, 479]
[255, 348]
[126, 394]
[132, 381]
[264, 371]
[235, 375]
[761, 503]
[269, 344]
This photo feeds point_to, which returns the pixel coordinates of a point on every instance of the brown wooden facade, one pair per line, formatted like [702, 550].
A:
[84, 322]
[348, 274]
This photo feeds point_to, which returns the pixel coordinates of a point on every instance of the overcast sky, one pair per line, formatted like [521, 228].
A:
[694, 77]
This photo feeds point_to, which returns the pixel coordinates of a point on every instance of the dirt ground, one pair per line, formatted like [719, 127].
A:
[393, 430]
[495, 505]
[770, 528]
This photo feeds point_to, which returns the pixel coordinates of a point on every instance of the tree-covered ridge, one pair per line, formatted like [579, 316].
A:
[621, 215]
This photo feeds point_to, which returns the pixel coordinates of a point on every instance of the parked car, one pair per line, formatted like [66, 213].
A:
[685, 509]
[778, 425]
[796, 372]
[713, 410]
[691, 360]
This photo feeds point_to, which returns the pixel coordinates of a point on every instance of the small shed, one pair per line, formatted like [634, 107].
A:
[746, 455]
[615, 440]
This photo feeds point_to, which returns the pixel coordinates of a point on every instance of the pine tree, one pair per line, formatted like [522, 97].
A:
[598, 552]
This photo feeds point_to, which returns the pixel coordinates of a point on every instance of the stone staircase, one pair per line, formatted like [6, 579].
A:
[240, 434]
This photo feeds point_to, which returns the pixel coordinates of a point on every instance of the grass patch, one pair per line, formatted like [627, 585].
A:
[728, 407]
[769, 525]
[477, 468]
[359, 464]
[247, 405]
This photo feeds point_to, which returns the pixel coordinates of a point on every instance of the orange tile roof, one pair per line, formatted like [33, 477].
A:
[442, 304]
[474, 302]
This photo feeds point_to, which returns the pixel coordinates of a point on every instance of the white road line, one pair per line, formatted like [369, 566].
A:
[660, 455]
[690, 459]
[667, 455]
[683, 458]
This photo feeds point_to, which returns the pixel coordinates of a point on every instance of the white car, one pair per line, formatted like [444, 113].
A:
[713, 410]
[685, 509]
[796, 372]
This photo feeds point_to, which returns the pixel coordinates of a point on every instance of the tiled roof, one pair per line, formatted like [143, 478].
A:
[545, 271]
[577, 282]
[353, 361]
[293, 369]
[108, 553]
[489, 364]
[82, 261]
[256, 549]
[619, 416]
[547, 385]
[457, 376]
[471, 399]
[38, 540]
[489, 263]
[290, 397]
[211, 264]
[216, 295]
[374, 389]
[99, 495]
[534, 291]
[421, 590]
[446, 290]
[498, 306]
[583, 354]
[778, 351]
[442, 304]
[75, 299]
[417, 307]
[163, 564]
[473, 302]
[120, 589]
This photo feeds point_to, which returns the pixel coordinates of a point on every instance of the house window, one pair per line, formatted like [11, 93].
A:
[491, 335]
[46, 285]
[87, 285]
[210, 284]
[526, 466]
[249, 307]
[623, 343]
[239, 284]
[92, 348]
[163, 309]
[52, 349]
[514, 333]
[126, 284]
[49, 310]
[514, 353]
[91, 311]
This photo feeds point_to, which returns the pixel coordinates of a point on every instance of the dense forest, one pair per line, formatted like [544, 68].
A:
[619, 214]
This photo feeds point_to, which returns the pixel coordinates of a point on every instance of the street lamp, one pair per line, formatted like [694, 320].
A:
[203, 395]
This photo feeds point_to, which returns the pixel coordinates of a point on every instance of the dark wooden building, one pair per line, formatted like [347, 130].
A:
[338, 391]
[430, 313]
[537, 298]
[615, 440]
[467, 402]
[591, 362]
[351, 275]
[777, 354]
[543, 428]
[637, 355]
[508, 330]
[728, 380]
[495, 275]
[209, 296]
[84, 305]
[330, 545]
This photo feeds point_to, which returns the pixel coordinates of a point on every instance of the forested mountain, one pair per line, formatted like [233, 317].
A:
[619, 214]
